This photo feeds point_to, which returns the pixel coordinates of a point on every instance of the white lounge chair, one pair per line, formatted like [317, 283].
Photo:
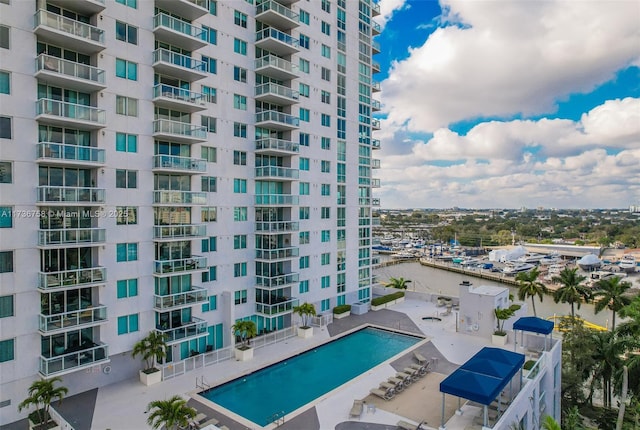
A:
[420, 357]
[356, 409]
[387, 395]
[404, 425]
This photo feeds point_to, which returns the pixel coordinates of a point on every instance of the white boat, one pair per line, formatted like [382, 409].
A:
[628, 264]
[469, 262]
[600, 275]
[403, 255]
[550, 259]
[530, 258]
[517, 268]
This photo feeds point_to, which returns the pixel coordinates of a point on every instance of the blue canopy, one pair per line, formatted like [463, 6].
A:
[534, 324]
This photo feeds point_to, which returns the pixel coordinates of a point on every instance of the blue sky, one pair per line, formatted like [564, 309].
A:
[509, 103]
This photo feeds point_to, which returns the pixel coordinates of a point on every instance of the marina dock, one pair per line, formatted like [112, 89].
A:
[477, 273]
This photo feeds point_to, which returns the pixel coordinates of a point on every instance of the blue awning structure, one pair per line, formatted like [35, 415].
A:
[534, 324]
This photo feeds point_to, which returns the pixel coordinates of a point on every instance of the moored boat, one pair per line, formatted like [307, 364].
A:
[628, 263]
[513, 269]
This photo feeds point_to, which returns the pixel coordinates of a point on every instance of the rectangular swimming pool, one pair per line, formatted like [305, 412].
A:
[296, 381]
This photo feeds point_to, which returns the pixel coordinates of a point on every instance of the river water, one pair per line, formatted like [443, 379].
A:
[431, 280]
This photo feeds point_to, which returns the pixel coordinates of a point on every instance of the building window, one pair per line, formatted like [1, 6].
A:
[126, 178]
[325, 74]
[210, 244]
[325, 212]
[325, 236]
[239, 270]
[304, 41]
[325, 281]
[131, 3]
[303, 163]
[6, 216]
[209, 123]
[240, 19]
[325, 51]
[325, 97]
[303, 237]
[326, 6]
[303, 65]
[240, 158]
[127, 324]
[240, 130]
[211, 304]
[210, 94]
[213, 7]
[304, 287]
[6, 172]
[126, 215]
[325, 143]
[5, 127]
[126, 252]
[126, 33]
[209, 35]
[240, 297]
[326, 28]
[126, 142]
[304, 212]
[127, 288]
[126, 106]
[304, 17]
[304, 188]
[208, 184]
[240, 241]
[303, 89]
[6, 261]
[304, 262]
[126, 69]
[210, 275]
[7, 350]
[304, 139]
[239, 186]
[4, 37]
[6, 306]
[304, 114]
[239, 74]
[325, 189]
[209, 214]
[239, 102]
[325, 120]
[239, 46]
[209, 153]
[325, 258]
[325, 304]
[325, 166]
[240, 213]
[5, 82]
[210, 64]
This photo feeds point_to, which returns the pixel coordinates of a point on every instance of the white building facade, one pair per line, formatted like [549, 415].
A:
[176, 166]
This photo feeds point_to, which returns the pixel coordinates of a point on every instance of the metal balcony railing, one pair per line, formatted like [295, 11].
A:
[49, 194]
[275, 116]
[277, 226]
[193, 328]
[375, 202]
[279, 308]
[186, 298]
[67, 320]
[277, 172]
[277, 280]
[179, 94]
[71, 236]
[62, 151]
[280, 90]
[175, 162]
[179, 231]
[277, 254]
[375, 143]
[276, 199]
[277, 145]
[375, 123]
[69, 361]
[277, 62]
[71, 278]
[180, 128]
[179, 197]
[272, 33]
[195, 262]
[278, 8]
[175, 24]
[69, 26]
[73, 111]
[166, 56]
[72, 69]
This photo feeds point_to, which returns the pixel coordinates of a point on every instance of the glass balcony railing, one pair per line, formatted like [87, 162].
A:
[375, 66]
[375, 143]
[49, 194]
[195, 262]
[277, 145]
[277, 254]
[276, 199]
[276, 62]
[173, 162]
[375, 123]
[375, 86]
[72, 111]
[279, 117]
[194, 328]
[286, 306]
[69, 26]
[61, 151]
[179, 197]
[276, 172]
[272, 33]
[71, 278]
[375, 46]
[375, 9]
[375, 202]
[179, 231]
[175, 24]
[376, 28]
[186, 298]
[180, 60]
[375, 182]
[278, 90]
[376, 105]
[277, 226]
[71, 236]
[274, 6]
[188, 9]
[178, 94]
[278, 280]
[178, 128]
[72, 360]
[66, 320]
[49, 63]
[375, 163]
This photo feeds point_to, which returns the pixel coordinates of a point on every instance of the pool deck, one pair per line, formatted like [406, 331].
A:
[122, 406]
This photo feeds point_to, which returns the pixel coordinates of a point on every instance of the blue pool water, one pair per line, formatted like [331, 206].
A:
[294, 382]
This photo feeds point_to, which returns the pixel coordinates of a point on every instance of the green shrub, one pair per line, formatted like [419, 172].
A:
[340, 309]
[529, 364]
[377, 301]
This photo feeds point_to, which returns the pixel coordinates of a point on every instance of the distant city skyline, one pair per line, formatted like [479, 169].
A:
[510, 104]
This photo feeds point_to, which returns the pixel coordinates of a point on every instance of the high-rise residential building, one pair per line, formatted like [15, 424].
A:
[176, 166]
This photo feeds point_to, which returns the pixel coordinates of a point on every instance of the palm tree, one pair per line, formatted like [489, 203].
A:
[152, 348]
[399, 283]
[550, 424]
[529, 286]
[170, 414]
[41, 394]
[305, 311]
[610, 295]
[246, 329]
[572, 290]
[607, 353]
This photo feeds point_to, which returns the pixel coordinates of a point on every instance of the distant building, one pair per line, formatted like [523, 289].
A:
[634, 209]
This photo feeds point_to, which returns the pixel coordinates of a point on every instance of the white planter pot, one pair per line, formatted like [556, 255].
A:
[244, 354]
[150, 378]
[342, 315]
[377, 308]
[499, 340]
[400, 300]
[305, 332]
[33, 425]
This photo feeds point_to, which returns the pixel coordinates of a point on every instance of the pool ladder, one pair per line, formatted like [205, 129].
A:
[201, 383]
[277, 418]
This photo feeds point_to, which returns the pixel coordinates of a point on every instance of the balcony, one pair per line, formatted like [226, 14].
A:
[276, 67]
[376, 105]
[178, 98]
[277, 173]
[62, 31]
[276, 94]
[71, 195]
[272, 146]
[375, 86]
[275, 120]
[86, 7]
[188, 9]
[177, 32]
[375, 9]
[182, 231]
[276, 200]
[375, 124]
[196, 327]
[276, 227]
[375, 202]
[90, 316]
[176, 131]
[68, 279]
[56, 112]
[183, 299]
[375, 144]
[375, 67]
[277, 254]
[375, 182]
[64, 73]
[168, 197]
[283, 307]
[195, 263]
[278, 281]
[177, 65]
[71, 236]
[375, 163]
[276, 15]
[375, 28]
[173, 163]
[70, 155]
[276, 41]
[72, 361]
[375, 47]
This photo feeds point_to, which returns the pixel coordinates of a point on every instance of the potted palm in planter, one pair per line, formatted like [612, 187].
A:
[170, 414]
[246, 330]
[305, 311]
[41, 394]
[152, 349]
[499, 336]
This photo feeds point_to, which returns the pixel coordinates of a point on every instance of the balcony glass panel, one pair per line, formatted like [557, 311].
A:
[91, 315]
[375, 202]
[277, 226]
[181, 60]
[278, 172]
[71, 236]
[194, 328]
[179, 231]
[196, 295]
[277, 281]
[69, 68]
[277, 254]
[195, 262]
[179, 128]
[179, 163]
[179, 197]
[71, 360]
[71, 278]
[375, 143]
[272, 115]
[277, 145]
[278, 8]
[277, 62]
[164, 20]
[179, 94]
[61, 151]
[280, 90]
[276, 199]
[47, 194]
[272, 33]
[375, 123]
[286, 306]
[70, 26]
[70, 110]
